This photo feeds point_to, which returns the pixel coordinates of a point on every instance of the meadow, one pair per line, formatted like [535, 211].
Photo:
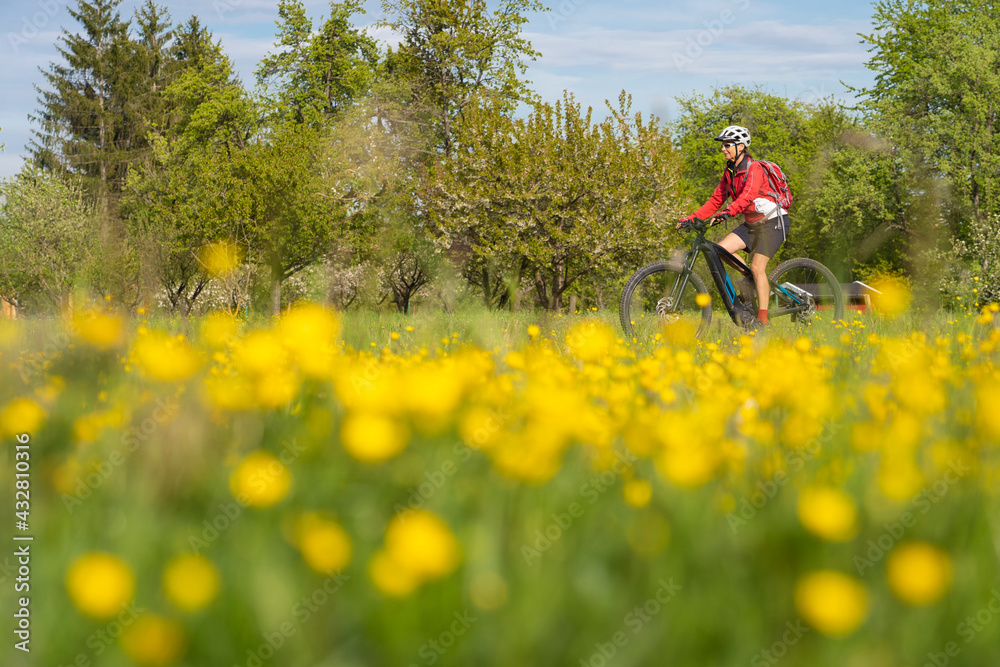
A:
[491, 488]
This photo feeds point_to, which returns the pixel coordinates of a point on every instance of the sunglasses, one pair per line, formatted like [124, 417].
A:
[727, 146]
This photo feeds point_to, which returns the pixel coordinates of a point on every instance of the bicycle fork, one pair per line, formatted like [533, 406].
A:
[680, 284]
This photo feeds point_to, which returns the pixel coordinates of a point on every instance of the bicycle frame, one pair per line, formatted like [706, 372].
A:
[716, 256]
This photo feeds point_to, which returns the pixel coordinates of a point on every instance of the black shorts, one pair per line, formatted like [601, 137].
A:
[765, 237]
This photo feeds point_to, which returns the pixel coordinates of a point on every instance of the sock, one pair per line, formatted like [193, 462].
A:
[762, 316]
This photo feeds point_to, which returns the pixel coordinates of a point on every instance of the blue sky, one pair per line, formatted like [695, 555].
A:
[594, 48]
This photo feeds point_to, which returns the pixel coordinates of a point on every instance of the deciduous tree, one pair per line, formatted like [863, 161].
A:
[555, 196]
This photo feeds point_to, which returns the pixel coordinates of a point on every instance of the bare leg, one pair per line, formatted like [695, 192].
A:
[732, 243]
[758, 266]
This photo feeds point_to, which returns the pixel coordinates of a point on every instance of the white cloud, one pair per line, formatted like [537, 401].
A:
[772, 47]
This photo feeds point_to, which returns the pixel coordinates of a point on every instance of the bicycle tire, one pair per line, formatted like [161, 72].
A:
[797, 271]
[634, 296]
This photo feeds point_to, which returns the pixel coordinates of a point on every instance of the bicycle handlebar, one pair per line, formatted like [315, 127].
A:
[696, 224]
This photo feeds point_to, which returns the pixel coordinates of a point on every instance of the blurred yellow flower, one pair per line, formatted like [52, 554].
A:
[373, 438]
[534, 331]
[153, 641]
[688, 466]
[220, 258]
[219, 329]
[480, 427]
[230, 392]
[100, 584]
[680, 333]
[11, 334]
[260, 480]
[190, 582]
[988, 410]
[828, 512]
[21, 415]
[919, 573]
[325, 546]
[892, 297]
[702, 299]
[422, 544]
[832, 602]
[260, 352]
[166, 358]
[390, 577]
[638, 492]
[276, 388]
[590, 341]
[100, 330]
[310, 332]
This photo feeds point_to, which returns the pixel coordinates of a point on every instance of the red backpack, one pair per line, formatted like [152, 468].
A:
[778, 183]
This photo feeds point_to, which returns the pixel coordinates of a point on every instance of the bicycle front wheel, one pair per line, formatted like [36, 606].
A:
[806, 291]
[655, 296]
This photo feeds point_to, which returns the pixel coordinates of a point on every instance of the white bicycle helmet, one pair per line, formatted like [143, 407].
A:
[736, 134]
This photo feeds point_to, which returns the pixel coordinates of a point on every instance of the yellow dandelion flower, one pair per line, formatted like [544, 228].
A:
[638, 492]
[166, 358]
[325, 546]
[590, 341]
[534, 331]
[190, 582]
[832, 602]
[703, 299]
[422, 543]
[276, 388]
[480, 427]
[919, 573]
[390, 577]
[310, 331]
[690, 466]
[153, 641]
[100, 584]
[373, 438]
[220, 258]
[260, 480]
[828, 512]
[219, 329]
[99, 330]
[260, 352]
[680, 333]
[230, 392]
[893, 296]
[21, 415]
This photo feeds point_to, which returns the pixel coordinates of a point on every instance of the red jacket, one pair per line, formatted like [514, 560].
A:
[747, 186]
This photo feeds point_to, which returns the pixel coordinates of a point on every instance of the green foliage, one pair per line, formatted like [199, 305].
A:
[936, 91]
[186, 196]
[551, 198]
[860, 205]
[317, 75]
[48, 236]
[101, 102]
[453, 52]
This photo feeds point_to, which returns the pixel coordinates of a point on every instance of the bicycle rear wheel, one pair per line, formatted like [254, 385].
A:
[651, 300]
[806, 291]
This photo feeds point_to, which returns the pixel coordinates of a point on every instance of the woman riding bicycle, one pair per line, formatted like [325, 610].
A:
[766, 224]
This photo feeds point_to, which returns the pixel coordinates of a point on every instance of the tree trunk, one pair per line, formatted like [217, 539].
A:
[572, 303]
[275, 294]
[487, 292]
